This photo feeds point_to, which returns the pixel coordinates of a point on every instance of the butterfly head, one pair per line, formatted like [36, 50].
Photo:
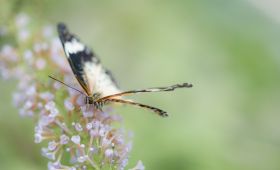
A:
[92, 99]
[64, 34]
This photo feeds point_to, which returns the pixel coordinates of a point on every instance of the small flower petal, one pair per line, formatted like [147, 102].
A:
[52, 145]
[109, 153]
[68, 105]
[78, 127]
[64, 139]
[76, 139]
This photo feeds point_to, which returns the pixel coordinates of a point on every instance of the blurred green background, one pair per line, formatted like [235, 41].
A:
[229, 50]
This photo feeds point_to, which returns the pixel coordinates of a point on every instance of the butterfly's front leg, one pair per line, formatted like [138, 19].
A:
[88, 102]
[98, 105]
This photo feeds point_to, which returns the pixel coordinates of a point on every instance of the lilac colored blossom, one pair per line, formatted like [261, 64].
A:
[76, 139]
[109, 153]
[68, 105]
[64, 139]
[40, 64]
[78, 127]
[64, 125]
[52, 145]
[47, 96]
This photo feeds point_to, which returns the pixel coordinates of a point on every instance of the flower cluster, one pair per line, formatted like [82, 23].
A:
[74, 136]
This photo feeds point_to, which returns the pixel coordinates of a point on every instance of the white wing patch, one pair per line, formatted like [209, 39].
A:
[98, 80]
[73, 47]
[91, 75]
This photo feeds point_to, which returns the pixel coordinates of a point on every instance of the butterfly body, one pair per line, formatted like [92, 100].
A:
[97, 82]
[92, 99]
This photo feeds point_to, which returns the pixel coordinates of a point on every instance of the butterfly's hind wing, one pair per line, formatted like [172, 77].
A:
[151, 108]
[86, 66]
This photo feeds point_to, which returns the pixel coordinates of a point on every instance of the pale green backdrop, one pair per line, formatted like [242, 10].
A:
[229, 50]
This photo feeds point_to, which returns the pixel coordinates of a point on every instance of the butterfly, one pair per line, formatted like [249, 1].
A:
[100, 87]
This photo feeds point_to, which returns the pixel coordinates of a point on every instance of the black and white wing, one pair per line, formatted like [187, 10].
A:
[86, 66]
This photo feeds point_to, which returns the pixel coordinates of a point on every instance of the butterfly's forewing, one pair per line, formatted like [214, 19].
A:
[86, 65]
[149, 90]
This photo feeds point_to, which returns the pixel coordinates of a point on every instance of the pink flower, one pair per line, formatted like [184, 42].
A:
[91, 141]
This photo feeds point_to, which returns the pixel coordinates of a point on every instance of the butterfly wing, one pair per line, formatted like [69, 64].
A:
[86, 66]
[148, 90]
[151, 108]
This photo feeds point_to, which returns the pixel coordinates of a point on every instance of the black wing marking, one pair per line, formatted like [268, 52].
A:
[86, 65]
[110, 74]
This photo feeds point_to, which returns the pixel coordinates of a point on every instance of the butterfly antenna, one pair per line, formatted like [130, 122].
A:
[67, 85]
